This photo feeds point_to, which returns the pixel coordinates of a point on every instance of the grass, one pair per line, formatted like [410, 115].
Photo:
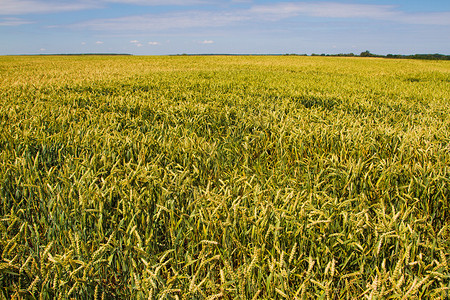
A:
[224, 178]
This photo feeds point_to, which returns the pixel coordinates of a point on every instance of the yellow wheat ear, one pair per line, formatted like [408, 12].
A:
[224, 177]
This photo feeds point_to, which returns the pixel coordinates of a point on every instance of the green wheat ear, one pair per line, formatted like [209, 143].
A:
[224, 178]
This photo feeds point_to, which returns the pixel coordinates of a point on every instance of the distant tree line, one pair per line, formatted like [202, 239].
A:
[362, 54]
[368, 54]
[421, 56]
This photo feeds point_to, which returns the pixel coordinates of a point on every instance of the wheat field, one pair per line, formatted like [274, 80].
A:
[224, 178]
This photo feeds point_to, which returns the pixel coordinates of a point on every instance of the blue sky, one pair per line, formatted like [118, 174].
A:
[155, 27]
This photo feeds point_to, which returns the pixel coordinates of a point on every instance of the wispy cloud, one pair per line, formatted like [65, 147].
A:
[321, 9]
[206, 42]
[263, 13]
[14, 22]
[167, 21]
[99, 42]
[20, 7]
[347, 11]
[154, 43]
[431, 18]
[136, 43]
[160, 2]
[268, 12]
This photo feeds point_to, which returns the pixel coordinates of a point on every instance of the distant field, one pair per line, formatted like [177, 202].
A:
[224, 178]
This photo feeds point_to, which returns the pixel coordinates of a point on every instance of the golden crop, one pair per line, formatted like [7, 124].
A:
[224, 178]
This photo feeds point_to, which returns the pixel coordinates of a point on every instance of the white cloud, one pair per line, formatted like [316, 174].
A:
[206, 42]
[14, 22]
[160, 2]
[42, 49]
[154, 43]
[321, 9]
[99, 42]
[136, 43]
[347, 10]
[19, 7]
[437, 18]
[262, 13]
[167, 21]
[268, 12]
[83, 43]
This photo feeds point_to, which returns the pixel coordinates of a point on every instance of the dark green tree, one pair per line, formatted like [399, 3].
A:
[366, 54]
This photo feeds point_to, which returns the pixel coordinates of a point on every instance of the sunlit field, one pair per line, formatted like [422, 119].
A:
[224, 178]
